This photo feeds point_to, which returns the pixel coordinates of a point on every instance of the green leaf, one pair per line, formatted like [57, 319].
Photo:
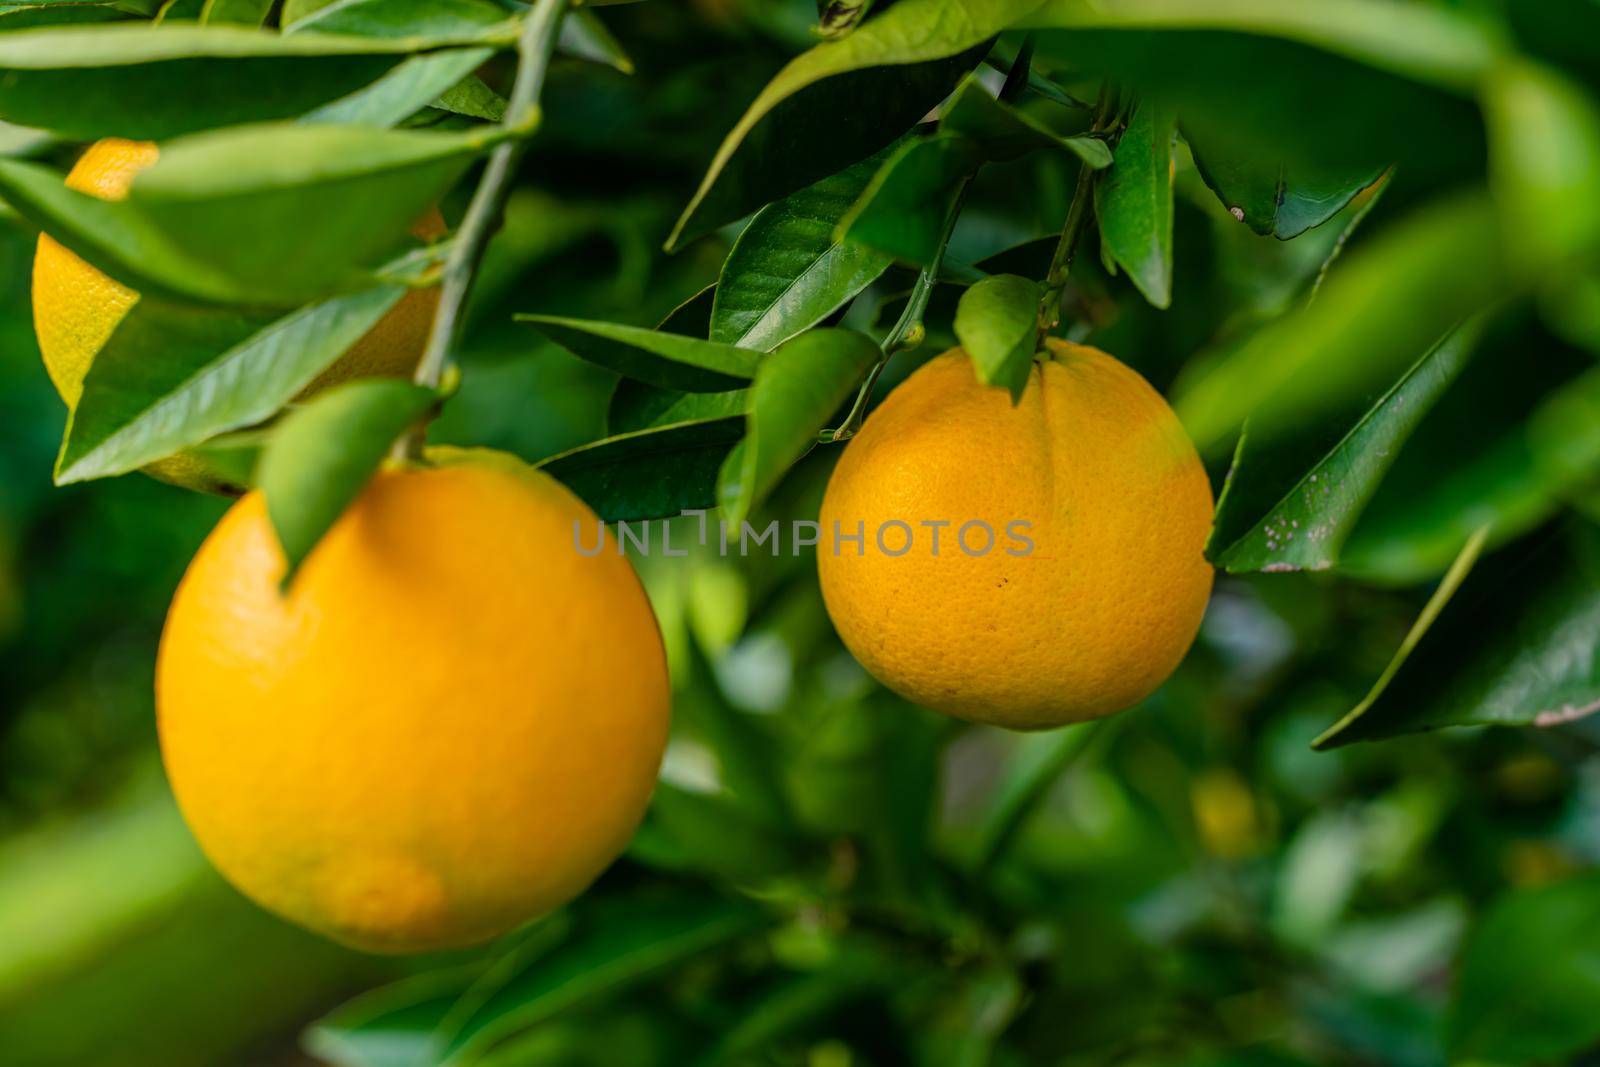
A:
[997, 322]
[1537, 665]
[968, 1034]
[1544, 138]
[1292, 505]
[323, 454]
[797, 388]
[1004, 133]
[172, 376]
[155, 82]
[788, 270]
[1272, 197]
[637, 406]
[651, 473]
[618, 945]
[842, 101]
[1133, 202]
[404, 90]
[28, 16]
[1530, 977]
[393, 1025]
[665, 359]
[472, 98]
[1381, 305]
[235, 12]
[393, 19]
[1439, 44]
[902, 212]
[1036, 764]
[293, 212]
[710, 835]
[584, 36]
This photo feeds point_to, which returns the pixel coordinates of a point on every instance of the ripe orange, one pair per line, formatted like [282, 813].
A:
[450, 723]
[76, 307]
[1090, 619]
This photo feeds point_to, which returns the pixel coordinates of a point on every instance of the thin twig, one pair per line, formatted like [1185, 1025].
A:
[535, 45]
[1072, 230]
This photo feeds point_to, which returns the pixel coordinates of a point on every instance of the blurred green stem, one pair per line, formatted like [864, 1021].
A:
[1040, 762]
[535, 46]
[1055, 283]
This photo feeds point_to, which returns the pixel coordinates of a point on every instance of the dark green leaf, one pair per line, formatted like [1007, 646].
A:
[651, 473]
[28, 16]
[1133, 202]
[797, 388]
[472, 98]
[902, 211]
[172, 376]
[709, 834]
[788, 270]
[1537, 665]
[666, 359]
[842, 101]
[968, 1033]
[1003, 132]
[323, 454]
[156, 82]
[235, 12]
[620, 947]
[392, 1026]
[583, 35]
[997, 322]
[404, 90]
[1530, 977]
[1292, 505]
[1272, 197]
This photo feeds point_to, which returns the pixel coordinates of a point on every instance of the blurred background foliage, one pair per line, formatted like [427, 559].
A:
[828, 876]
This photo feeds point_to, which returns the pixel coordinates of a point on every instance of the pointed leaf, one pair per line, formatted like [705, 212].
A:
[1133, 202]
[403, 18]
[842, 101]
[652, 473]
[1537, 665]
[997, 322]
[323, 454]
[788, 270]
[798, 387]
[1003, 132]
[1292, 505]
[637, 406]
[584, 36]
[172, 376]
[665, 359]
[1273, 197]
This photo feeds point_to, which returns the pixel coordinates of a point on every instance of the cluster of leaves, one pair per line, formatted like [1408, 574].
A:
[1370, 267]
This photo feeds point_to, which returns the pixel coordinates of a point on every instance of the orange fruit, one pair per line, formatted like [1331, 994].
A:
[448, 725]
[1087, 588]
[76, 307]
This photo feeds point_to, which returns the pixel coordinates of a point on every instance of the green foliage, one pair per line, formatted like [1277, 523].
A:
[1355, 240]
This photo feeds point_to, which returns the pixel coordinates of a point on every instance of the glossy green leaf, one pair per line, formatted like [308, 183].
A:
[637, 406]
[1476, 458]
[1133, 203]
[1381, 306]
[1433, 43]
[472, 98]
[404, 90]
[1530, 977]
[796, 390]
[455, 19]
[902, 211]
[617, 945]
[842, 101]
[172, 376]
[1272, 197]
[1537, 665]
[1003, 132]
[1545, 163]
[997, 323]
[323, 454]
[664, 359]
[650, 473]
[293, 212]
[788, 270]
[1292, 505]
[157, 82]
[14, 17]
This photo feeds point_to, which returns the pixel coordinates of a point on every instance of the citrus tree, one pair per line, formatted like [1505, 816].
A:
[1039, 277]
